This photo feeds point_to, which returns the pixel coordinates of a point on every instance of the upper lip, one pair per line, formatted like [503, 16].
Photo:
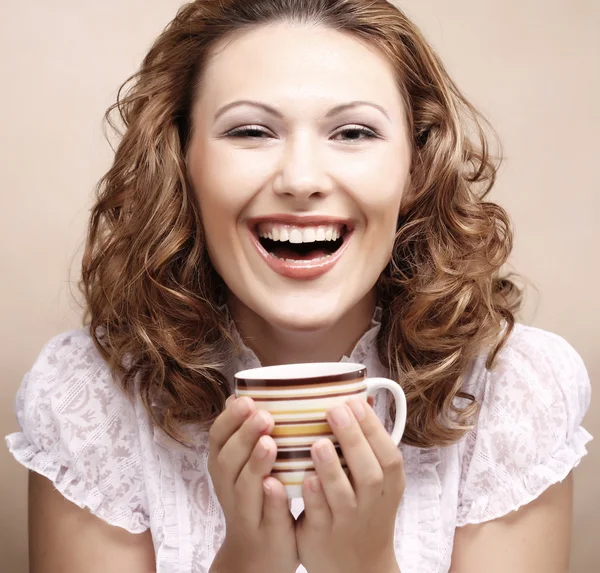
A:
[301, 220]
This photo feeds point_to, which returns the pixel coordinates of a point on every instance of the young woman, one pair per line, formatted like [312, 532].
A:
[299, 181]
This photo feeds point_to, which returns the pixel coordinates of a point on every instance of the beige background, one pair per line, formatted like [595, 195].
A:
[531, 66]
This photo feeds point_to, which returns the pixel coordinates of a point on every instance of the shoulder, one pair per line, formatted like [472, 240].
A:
[535, 370]
[528, 435]
[70, 387]
[67, 354]
[81, 431]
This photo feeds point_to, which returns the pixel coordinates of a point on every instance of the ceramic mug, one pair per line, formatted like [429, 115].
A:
[298, 397]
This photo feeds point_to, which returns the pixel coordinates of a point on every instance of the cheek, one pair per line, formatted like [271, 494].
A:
[379, 195]
[219, 190]
[219, 208]
[379, 180]
[227, 179]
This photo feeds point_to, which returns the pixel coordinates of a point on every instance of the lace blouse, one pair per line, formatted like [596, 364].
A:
[102, 452]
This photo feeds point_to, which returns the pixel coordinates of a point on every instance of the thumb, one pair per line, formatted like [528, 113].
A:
[276, 509]
[316, 507]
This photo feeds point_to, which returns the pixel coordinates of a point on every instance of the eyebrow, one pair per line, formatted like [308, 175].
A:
[271, 110]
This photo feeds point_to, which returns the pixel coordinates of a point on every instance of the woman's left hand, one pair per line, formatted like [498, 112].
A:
[348, 525]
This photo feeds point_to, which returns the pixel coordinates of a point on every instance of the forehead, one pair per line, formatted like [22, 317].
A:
[298, 62]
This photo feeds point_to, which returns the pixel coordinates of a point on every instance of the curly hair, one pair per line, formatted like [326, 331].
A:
[154, 303]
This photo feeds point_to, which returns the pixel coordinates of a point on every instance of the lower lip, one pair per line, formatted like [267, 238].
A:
[301, 270]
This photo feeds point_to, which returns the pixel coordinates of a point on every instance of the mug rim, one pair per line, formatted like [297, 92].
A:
[340, 372]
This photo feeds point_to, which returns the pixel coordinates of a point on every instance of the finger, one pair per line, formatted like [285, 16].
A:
[236, 452]
[364, 466]
[230, 399]
[229, 421]
[276, 511]
[388, 455]
[338, 491]
[249, 492]
[316, 509]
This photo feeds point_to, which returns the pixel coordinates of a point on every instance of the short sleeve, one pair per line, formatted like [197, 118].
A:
[529, 434]
[79, 430]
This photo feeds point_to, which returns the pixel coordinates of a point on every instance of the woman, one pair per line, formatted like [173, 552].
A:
[298, 181]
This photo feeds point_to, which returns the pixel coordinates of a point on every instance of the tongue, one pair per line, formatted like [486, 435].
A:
[287, 253]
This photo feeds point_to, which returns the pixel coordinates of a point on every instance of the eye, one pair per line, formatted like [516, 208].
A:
[356, 133]
[249, 132]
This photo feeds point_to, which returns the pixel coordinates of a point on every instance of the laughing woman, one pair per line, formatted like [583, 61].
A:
[299, 181]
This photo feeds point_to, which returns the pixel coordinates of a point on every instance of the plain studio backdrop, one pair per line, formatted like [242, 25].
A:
[530, 65]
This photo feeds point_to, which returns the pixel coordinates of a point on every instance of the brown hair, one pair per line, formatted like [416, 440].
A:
[154, 301]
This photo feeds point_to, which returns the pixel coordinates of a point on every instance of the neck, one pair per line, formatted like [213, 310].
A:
[273, 345]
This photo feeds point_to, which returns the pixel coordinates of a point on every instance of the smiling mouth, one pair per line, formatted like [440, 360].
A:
[301, 243]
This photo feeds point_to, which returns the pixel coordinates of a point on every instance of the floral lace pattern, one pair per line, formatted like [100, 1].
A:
[532, 405]
[101, 451]
[81, 432]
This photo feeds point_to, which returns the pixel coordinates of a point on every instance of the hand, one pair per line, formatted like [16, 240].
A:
[260, 527]
[348, 524]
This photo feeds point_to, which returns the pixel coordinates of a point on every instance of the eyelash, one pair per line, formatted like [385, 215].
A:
[244, 131]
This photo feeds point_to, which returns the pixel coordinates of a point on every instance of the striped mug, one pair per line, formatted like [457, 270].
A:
[298, 397]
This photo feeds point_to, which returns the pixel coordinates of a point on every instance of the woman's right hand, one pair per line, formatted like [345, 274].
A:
[260, 528]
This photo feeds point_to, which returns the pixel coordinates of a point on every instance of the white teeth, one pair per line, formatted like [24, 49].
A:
[297, 261]
[297, 234]
[309, 235]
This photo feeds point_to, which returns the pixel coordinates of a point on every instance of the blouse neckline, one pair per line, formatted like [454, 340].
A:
[244, 358]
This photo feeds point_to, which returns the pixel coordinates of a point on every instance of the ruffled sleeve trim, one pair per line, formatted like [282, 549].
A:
[80, 431]
[72, 486]
[533, 483]
[529, 435]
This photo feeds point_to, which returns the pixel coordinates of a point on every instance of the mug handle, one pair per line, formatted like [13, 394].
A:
[374, 384]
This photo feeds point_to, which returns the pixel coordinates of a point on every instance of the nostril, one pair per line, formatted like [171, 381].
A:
[304, 194]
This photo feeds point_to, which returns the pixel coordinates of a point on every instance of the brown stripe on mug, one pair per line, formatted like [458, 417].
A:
[304, 422]
[300, 454]
[357, 375]
[255, 385]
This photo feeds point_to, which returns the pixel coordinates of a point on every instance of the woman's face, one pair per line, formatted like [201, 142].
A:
[299, 158]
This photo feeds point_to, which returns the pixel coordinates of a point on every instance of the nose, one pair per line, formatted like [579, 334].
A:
[302, 173]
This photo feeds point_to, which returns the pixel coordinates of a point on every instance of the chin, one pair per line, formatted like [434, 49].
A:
[292, 311]
[301, 315]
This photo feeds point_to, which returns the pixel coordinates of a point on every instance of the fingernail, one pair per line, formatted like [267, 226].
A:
[358, 408]
[263, 449]
[229, 400]
[340, 416]
[241, 408]
[267, 488]
[263, 420]
[325, 451]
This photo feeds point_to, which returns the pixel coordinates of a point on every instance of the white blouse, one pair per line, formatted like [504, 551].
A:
[102, 452]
